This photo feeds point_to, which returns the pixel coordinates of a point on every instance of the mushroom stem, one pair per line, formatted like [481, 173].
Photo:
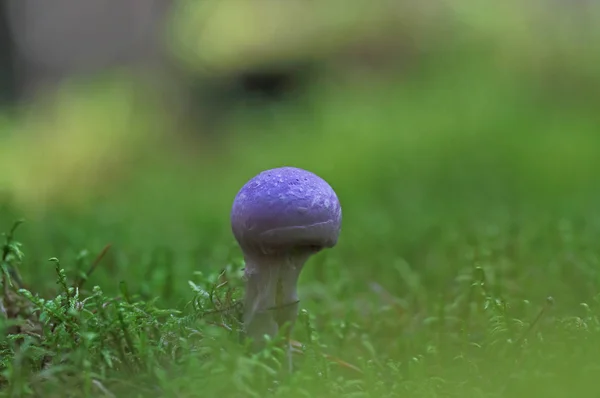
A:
[271, 298]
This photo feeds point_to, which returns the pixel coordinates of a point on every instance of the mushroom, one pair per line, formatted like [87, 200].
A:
[280, 218]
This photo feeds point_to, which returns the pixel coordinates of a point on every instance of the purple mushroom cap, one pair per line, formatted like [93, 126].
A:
[286, 208]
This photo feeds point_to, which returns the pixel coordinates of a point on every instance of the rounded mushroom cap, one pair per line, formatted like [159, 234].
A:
[283, 209]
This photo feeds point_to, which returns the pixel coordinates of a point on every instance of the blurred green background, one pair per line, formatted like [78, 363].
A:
[456, 135]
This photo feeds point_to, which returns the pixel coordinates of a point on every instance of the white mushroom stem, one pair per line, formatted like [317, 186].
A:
[271, 298]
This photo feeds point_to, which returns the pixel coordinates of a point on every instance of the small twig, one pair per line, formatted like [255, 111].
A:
[545, 308]
[540, 315]
[220, 285]
[478, 280]
[221, 325]
[80, 281]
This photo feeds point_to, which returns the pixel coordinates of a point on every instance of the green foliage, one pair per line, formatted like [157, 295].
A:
[476, 339]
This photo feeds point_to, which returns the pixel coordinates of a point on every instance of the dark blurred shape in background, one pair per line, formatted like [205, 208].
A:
[43, 44]
[8, 84]
[53, 41]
